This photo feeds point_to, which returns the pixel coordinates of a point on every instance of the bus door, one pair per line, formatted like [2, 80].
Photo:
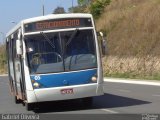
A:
[11, 66]
[18, 69]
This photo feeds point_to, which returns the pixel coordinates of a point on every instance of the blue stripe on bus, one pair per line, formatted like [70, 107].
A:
[64, 79]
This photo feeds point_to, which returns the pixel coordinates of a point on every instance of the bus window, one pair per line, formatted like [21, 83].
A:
[80, 51]
[42, 56]
[61, 51]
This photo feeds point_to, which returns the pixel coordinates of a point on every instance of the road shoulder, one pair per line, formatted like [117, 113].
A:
[133, 81]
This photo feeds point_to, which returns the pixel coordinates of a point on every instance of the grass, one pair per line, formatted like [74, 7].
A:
[133, 31]
[132, 27]
[132, 67]
[3, 65]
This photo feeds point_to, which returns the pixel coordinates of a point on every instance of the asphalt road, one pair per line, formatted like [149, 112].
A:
[119, 98]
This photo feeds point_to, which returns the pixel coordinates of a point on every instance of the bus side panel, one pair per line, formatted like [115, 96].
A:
[9, 71]
[19, 78]
[11, 68]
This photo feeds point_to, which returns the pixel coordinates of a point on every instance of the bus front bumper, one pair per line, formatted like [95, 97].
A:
[64, 93]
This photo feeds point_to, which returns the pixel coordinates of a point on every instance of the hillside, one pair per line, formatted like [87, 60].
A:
[133, 38]
[132, 27]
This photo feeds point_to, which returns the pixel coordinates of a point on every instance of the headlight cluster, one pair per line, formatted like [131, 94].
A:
[94, 79]
[36, 84]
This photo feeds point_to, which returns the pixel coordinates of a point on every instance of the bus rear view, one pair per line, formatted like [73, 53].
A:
[61, 59]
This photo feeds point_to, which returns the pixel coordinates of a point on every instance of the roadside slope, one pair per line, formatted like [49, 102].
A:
[132, 27]
[133, 38]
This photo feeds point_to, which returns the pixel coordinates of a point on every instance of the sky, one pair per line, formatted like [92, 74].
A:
[13, 11]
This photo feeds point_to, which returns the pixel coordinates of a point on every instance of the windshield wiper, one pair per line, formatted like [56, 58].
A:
[48, 40]
[72, 36]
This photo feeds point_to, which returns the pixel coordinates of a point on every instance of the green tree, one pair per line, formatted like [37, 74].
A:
[3, 60]
[77, 9]
[83, 2]
[97, 7]
[59, 10]
[81, 8]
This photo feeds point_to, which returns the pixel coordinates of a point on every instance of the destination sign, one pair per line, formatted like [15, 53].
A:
[58, 24]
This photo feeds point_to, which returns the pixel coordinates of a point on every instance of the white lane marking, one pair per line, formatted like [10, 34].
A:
[156, 95]
[131, 81]
[121, 90]
[110, 111]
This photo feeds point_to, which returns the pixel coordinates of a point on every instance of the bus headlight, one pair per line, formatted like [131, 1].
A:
[94, 79]
[36, 85]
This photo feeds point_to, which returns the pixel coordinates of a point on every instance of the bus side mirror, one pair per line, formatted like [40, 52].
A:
[103, 43]
[101, 34]
[104, 47]
[18, 47]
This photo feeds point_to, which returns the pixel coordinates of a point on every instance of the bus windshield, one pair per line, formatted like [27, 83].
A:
[61, 51]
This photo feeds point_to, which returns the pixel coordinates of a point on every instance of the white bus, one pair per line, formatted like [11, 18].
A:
[54, 57]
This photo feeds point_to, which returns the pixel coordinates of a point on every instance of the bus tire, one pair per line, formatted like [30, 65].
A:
[87, 102]
[17, 101]
[29, 106]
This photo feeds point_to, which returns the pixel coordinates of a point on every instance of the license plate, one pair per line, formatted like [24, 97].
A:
[67, 91]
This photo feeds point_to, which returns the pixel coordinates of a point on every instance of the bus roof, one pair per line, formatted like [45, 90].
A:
[46, 17]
